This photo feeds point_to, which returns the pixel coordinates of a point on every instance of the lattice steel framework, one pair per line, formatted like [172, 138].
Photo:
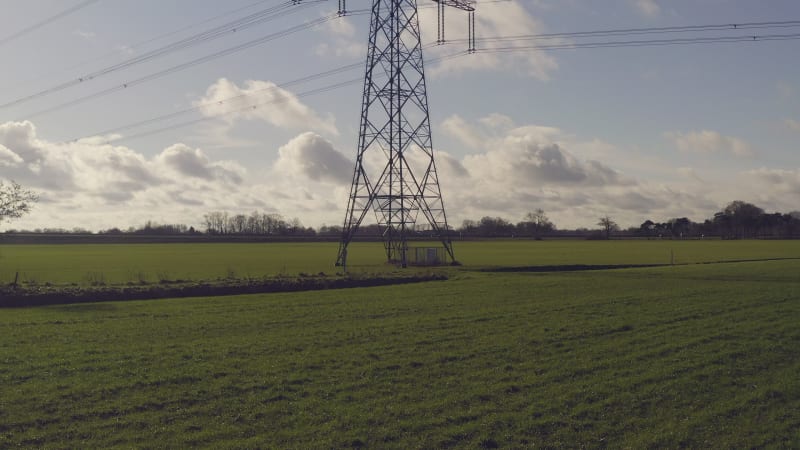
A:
[395, 174]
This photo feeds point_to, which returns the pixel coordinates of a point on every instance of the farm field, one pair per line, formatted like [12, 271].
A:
[694, 356]
[123, 263]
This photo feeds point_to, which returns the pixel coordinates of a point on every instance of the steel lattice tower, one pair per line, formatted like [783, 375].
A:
[395, 174]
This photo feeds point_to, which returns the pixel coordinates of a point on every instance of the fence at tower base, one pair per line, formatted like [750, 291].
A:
[427, 256]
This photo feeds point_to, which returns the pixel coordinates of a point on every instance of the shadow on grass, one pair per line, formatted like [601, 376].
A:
[569, 268]
[40, 296]
[588, 267]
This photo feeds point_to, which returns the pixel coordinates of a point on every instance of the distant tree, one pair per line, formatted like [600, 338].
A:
[536, 223]
[647, 228]
[680, 227]
[495, 226]
[15, 201]
[608, 225]
[738, 220]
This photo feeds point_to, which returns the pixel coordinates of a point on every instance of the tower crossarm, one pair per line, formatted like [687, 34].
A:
[460, 4]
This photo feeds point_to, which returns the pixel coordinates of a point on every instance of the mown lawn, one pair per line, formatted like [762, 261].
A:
[693, 356]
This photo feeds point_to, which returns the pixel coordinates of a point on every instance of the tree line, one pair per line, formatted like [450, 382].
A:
[738, 220]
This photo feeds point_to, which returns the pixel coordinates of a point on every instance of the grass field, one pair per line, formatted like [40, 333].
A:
[695, 356]
[123, 263]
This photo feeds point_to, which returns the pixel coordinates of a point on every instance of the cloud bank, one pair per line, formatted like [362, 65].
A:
[510, 170]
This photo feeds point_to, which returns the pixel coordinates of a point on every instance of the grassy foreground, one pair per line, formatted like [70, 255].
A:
[688, 356]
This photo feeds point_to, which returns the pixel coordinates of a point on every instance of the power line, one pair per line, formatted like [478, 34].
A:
[643, 43]
[316, 76]
[560, 46]
[46, 21]
[175, 114]
[251, 20]
[227, 113]
[162, 36]
[608, 44]
[162, 118]
[638, 31]
[194, 62]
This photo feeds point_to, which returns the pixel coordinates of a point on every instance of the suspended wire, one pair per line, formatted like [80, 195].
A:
[276, 87]
[607, 44]
[507, 39]
[642, 43]
[236, 111]
[161, 37]
[249, 21]
[639, 31]
[46, 21]
[194, 62]
[243, 109]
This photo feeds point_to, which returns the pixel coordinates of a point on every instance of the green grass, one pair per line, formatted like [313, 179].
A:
[123, 263]
[694, 356]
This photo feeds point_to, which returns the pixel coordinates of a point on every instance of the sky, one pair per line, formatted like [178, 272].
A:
[634, 133]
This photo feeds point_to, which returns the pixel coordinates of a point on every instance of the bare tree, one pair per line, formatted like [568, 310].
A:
[538, 223]
[15, 201]
[608, 225]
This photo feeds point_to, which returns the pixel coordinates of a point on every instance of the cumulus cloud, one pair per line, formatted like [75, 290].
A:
[309, 156]
[341, 40]
[194, 163]
[493, 19]
[526, 155]
[261, 100]
[514, 169]
[458, 128]
[84, 34]
[520, 168]
[706, 141]
[90, 183]
[792, 124]
[784, 181]
[8, 158]
[648, 8]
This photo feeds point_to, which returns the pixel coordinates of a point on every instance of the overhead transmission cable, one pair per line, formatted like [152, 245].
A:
[194, 62]
[696, 40]
[162, 36]
[175, 114]
[317, 76]
[639, 31]
[248, 21]
[46, 21]
[566, 46]
[250, 107]
[641, 43]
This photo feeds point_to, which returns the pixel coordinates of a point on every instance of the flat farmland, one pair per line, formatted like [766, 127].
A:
[123, 263]
[693, 356]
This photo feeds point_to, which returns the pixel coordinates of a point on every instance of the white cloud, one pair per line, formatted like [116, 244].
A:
[784, 181]
[92, 184]
[262, 100]
[194, 163]
[310, 157]
[8, 158]
[792, 124]
[648, 8]
[515, 169]
[492, 19]
[341, 40]
[84, 34]
[707, 141]
[458, 128]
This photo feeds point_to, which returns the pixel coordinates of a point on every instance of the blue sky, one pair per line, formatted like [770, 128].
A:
[635, 133]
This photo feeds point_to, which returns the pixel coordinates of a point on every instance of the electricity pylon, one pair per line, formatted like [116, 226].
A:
[395, 174]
